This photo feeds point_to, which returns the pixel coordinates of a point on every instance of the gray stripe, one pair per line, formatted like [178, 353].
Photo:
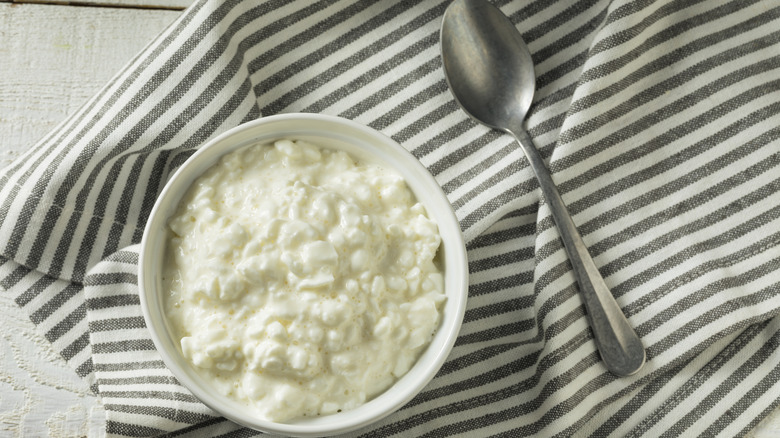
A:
[623, 36]
[108, 302]
[280, 49]
[561, 93]
[122, 256]
[502, 283]
[584, 31]
[67, 323]
[240, 433]
[674, 365]
[337, 44]
[376, 98]
[765, 383]
[178, 159]
[720, 312]
[664, 165]
[734, 381]
[497, 331]
[530, 359]
[605, 378]
[58, 300]
[677, 54]
[130, 366]
[140, 380]
[123, 346]
[678, 184]
[408, 106]
[678, 131]
[159, 177]
[743, 206]
[498, 308]
[126, 199]
[161, 395]
[502, 259]
[120, 323]
[676, 107]
[109, 278]
[173, 414]
[137, 430]
[574, 63]
[76, 347]
[698, 380]
[13, 193]
[671, 187]
[718, 241]
[704, 293]
[84, 370]
[638, 402]
[440, 86]
[477, 356]
[444, 139]
[13, 279]
[753, 250]
[542, 28]
[498, 237]
[551, 415]
[682, 279]
[217, 422]
[516, 191]
[465, 403]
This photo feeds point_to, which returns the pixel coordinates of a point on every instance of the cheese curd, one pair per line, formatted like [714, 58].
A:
[301, 282]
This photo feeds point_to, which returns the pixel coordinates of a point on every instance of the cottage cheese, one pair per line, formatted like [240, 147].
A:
[301, 282]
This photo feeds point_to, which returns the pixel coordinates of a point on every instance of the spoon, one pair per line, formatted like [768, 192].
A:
[491, 74]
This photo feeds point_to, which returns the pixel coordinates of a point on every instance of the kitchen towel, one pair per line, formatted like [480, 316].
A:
[659, 119]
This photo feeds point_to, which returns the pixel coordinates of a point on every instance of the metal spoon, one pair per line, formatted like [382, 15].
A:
[491, 74]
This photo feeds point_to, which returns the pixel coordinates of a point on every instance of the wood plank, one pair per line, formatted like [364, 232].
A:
[145, 4]
[53, 58]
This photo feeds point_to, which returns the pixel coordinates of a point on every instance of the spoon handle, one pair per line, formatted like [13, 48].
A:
[620, 347]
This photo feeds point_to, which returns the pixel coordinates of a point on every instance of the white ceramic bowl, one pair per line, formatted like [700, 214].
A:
[365, 144]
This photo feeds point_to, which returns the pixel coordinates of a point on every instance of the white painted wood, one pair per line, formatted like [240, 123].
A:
[39, 394]
[146, 4]
[53, 58]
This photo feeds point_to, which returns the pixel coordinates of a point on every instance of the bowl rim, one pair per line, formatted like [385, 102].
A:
[455, 258]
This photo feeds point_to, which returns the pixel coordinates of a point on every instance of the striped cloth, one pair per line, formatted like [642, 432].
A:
[659, 120]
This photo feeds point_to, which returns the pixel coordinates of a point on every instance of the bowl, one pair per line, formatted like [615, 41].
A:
[362, 143]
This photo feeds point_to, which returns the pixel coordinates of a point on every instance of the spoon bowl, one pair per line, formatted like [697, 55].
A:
[476, 36]
[490, 71]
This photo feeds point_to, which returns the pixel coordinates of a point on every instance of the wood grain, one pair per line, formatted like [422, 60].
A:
[52, 59]
[55, 57]
[145, 4]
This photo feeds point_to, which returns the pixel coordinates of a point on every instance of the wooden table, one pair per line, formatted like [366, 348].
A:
[53, 57]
